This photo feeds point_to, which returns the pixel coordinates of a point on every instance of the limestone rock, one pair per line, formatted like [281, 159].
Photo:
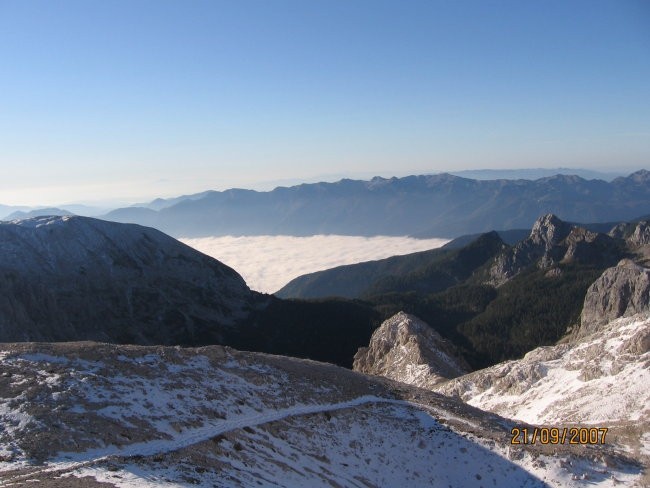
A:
[598, 379]
[635, 234]
[640, 236]
[406, 349]
[620, 291]
[550, 243]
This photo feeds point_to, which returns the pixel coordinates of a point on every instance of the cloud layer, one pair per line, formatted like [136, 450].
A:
[267, 263]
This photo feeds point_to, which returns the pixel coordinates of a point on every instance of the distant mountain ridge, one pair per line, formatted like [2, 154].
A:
[439, 205]
[40, 212]
[535, 173]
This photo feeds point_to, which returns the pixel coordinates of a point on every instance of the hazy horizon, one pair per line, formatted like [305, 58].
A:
[108, 204]
[128, 101]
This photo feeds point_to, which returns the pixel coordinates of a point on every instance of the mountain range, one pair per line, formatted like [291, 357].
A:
[118, 414]
[78, 278]
[494, 300]
[439, 205]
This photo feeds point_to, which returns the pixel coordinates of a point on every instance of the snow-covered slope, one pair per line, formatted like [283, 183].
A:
[602, 380]
[404, 348]
[83, 414]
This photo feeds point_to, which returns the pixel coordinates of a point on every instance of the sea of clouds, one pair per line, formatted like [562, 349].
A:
[267, 263]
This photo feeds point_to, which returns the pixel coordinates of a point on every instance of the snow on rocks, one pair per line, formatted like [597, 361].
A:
[129, 416]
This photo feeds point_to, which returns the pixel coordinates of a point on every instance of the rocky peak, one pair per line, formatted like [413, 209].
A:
[550, 243]
[406, 349]
[539, 247]
[619, 231]
[635, 234]
[642, 176]
[640, 236]
[589, 247]
[549, 231]
[621, 291]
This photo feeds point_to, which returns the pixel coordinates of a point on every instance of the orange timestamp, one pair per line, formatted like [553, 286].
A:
[558, 435]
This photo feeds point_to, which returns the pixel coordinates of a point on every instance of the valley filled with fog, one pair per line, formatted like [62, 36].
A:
[267, 263]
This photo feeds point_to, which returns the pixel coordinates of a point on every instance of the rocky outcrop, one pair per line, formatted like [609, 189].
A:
[77, 278]
[547, 232]
[635, 234]
[640, 236]
[620, 291]
[552, 242]
[406, 349]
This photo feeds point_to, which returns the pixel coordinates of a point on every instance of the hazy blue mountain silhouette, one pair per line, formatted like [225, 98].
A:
[424, 206]
[39, 212]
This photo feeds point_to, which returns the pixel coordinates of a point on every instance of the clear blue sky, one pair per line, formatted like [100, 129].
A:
[135, 99]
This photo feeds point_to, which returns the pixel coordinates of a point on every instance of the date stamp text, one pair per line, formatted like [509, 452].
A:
[558, 435]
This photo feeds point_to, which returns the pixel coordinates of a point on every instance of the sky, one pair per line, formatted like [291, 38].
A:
[131, 100]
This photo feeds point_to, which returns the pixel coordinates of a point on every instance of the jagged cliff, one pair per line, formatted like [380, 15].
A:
[635, 234]
[620, 291]
[551, 242]
[406, 349]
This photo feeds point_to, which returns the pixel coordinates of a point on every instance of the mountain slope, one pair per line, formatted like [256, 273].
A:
[427, 206]
[600, 380]
[64, 278]
[84, 414]
[423, 272]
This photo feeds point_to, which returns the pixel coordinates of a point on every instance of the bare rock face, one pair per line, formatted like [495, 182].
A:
[634, 234]
[550, 243]
[619, 231]
[640, 235]
[77, 278]
[547, 232]
[621, 291]
[406, 349]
